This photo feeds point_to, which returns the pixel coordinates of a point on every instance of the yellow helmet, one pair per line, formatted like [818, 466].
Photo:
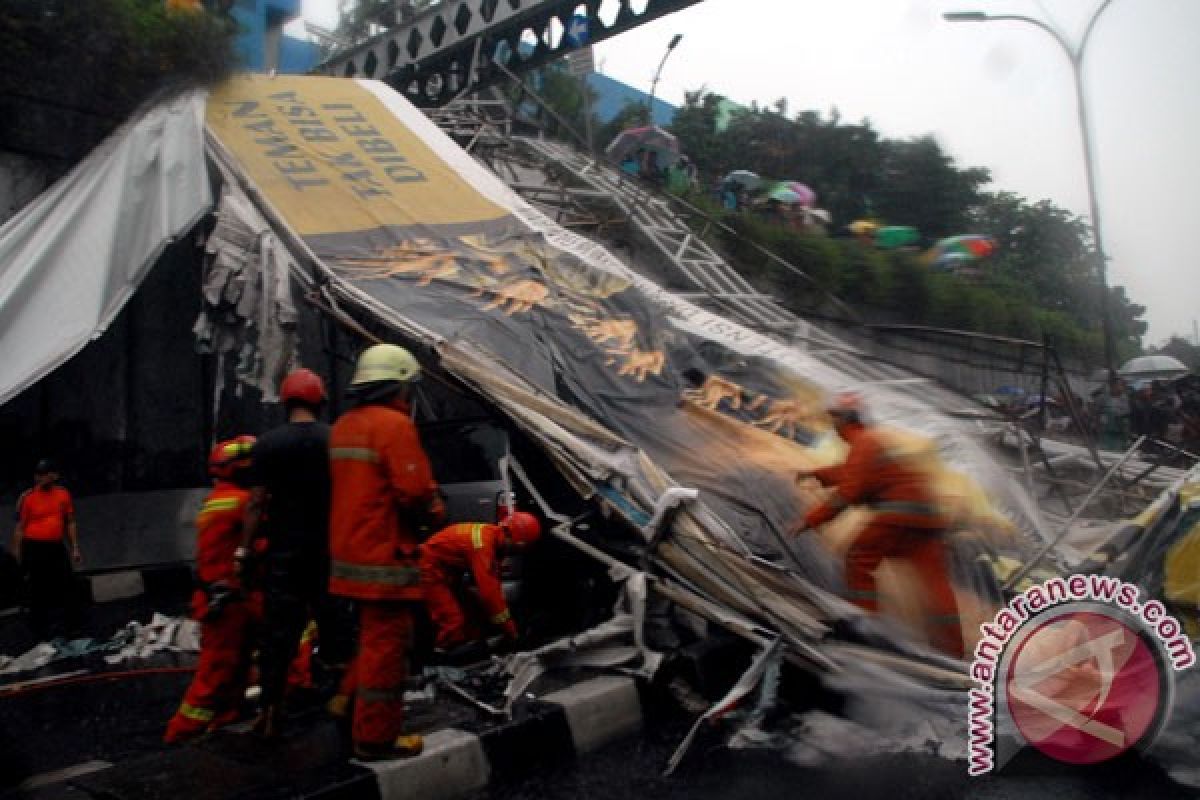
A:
[385, 362]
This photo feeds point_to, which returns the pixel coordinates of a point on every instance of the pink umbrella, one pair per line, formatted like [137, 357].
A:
[806, 196]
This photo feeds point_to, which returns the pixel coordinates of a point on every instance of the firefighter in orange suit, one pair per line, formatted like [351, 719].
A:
[907, 522]
[227, 615]
[476, 548]
[383, 490]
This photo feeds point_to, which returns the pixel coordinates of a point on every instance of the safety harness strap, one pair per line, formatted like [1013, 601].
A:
[392, 575]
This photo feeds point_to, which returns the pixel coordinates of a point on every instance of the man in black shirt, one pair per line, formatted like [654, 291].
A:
[289, 507]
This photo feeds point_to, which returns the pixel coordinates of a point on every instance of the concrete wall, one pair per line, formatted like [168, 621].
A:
[971, 369]
[22, 178]
[126, 413]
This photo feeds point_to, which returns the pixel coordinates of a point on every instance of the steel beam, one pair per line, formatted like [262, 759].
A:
[454, 45]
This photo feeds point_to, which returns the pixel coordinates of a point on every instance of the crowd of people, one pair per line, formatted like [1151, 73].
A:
[1162, 410]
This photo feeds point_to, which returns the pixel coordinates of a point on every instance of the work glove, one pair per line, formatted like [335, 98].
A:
[243, 561]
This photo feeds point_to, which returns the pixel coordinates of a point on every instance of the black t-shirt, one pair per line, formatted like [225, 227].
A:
[292, 463]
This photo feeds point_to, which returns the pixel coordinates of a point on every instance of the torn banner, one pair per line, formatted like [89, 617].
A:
[555, 331]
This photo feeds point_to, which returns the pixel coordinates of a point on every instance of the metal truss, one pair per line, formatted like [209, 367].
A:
[455, 45]
[692, 267]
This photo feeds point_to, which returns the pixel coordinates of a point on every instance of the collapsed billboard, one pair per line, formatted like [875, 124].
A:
[631, 389]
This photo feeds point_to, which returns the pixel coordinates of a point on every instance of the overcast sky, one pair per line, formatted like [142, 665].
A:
[995, 94]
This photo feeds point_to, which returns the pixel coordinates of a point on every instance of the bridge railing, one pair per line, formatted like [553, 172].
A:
[451, 47]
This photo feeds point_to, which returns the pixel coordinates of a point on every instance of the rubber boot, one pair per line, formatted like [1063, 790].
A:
[339, 706]
[405, 746]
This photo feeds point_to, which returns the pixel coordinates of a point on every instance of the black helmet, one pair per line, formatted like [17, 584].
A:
[45, 466]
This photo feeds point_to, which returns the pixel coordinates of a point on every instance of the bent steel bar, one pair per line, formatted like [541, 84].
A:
[454, 45]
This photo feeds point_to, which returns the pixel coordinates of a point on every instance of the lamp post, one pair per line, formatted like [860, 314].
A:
[675, 40]
[1075, 57]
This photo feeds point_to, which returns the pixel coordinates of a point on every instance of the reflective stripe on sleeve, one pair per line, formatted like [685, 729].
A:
[354, 454]
[903, 507]
[501, 618]
[196, 714]
[390, 575]
[220, 504]
[477, 536]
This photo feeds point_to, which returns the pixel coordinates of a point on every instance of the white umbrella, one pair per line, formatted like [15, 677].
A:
[1153, 367]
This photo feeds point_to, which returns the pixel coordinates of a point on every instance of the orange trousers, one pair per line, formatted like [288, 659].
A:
[375, 678]
[215, 694]
[445, 610]
[925, 550]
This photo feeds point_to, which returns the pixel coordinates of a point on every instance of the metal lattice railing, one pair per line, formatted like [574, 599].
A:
[453, 46]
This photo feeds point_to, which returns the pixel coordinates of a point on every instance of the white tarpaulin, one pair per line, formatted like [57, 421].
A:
[71, 259]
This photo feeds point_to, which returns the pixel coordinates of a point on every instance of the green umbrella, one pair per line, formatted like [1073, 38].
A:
[895, 236]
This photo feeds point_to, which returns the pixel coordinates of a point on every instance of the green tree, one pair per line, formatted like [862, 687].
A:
[919, 185]
[100, 59]
[1181, 348]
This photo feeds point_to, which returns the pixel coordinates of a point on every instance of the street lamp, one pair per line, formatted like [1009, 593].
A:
[675, 40]
[1075, 57]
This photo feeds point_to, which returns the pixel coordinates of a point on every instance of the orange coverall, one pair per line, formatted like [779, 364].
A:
[445, 556]
[217, 688]
[379, 471]
[907, 523]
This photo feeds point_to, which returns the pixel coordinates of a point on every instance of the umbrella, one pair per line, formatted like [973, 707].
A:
[783, 194]
[1153, 367]
[956, 250]
[896, 236]
[744, 178]
[805, 196]
[652, 138]
[862, 227]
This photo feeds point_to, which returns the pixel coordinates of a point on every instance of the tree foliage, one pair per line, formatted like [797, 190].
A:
[106, 57]
[1182, 349]
[1041, 283]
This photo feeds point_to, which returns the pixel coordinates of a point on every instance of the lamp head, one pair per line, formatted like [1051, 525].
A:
[965, 16]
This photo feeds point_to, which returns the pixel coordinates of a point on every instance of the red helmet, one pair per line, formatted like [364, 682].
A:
[302, 386]
[847, 406]
[522, 527]
[230, 456]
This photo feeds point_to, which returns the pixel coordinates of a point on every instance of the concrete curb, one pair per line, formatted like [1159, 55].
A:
[564, 724]
[105, 587]
[553, 730]
[117, 586]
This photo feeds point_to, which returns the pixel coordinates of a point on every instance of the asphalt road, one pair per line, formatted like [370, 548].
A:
[632, 769]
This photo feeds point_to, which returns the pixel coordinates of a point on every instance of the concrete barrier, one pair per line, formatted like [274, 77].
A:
[597, 712]
[600, 711]
[452, 765]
